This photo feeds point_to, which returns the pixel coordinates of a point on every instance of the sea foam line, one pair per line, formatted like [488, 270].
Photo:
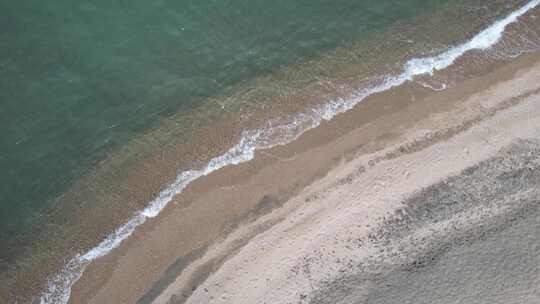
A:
[58, 289]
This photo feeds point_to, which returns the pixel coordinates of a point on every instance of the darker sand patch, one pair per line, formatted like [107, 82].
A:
[487, 257]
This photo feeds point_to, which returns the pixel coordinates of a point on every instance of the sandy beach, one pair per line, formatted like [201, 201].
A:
[383, 197]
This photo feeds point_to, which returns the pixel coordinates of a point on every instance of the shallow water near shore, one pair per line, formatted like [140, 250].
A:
[80, 81]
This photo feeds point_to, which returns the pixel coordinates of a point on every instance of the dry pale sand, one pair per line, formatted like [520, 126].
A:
[322, 239]
[299, 221]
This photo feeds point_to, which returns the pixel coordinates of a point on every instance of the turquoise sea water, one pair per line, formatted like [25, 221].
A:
[80, 81]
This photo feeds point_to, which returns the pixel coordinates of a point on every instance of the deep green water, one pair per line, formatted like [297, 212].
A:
[79, 80]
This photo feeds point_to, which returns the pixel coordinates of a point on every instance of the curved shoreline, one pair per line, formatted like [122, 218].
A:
[212, 208]
[59, 287]
[452, 178]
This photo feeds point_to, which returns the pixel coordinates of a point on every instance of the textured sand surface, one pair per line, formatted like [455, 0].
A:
[453, 186]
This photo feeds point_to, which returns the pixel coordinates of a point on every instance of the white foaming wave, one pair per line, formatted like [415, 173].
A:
[429, 65]
[482, 41]
[58, 289]
[434, 87]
